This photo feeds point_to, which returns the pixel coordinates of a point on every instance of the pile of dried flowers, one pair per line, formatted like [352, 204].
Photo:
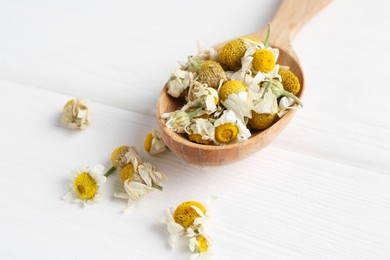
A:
[230, 92]
[138, 178]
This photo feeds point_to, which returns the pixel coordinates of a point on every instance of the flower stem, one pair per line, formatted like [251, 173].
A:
[266, 42]
[110, 171]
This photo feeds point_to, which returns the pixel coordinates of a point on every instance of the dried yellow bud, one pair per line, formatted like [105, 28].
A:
[230, 87]
[211, 73]
[76, 113]
[263, 60]
[290, 81]
[197, 138]
[232, 53]
[262, 121]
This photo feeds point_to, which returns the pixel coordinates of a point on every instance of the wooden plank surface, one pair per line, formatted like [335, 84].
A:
[320, 191]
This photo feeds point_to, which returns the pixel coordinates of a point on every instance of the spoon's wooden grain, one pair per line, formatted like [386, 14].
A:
[291, 15]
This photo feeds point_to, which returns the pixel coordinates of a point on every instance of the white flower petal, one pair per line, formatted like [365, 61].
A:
[240, 104]
[143, 172]
[200, 213]
[174, 228]
[193, 243]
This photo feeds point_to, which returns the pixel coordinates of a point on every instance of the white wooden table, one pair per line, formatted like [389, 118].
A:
[320, 191]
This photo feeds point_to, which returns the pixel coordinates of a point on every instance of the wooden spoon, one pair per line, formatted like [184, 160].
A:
[291, 15]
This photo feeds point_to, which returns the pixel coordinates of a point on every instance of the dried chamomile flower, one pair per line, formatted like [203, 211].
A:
[138, 180]
[124, 155]
[189, 220]
[201, 131]
[127, 172]
[229, 129]
[154, 143]
[267, 103]
[212, 74]
[232, 52]
[241, 104]
[178, 120]
[263, 60]
[262, 121]
[180, 81]
[86, 184]
[205, 97]
[231, 87]
[290, 81]
[265, 111]
[200, 246]
[183, 217]
[77, 113]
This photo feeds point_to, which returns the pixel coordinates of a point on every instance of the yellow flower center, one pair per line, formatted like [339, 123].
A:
[197, 138]
[290, 81]
[117, 156]
[232, 53]
[85, 186]
[211, 73]
[203, 244]
[127, 172]
[185, 215]
[148, 142]
[262, 121]
[231, 87]
[226, 133]
[263, 60]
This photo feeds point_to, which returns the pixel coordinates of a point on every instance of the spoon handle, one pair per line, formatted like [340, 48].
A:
[290, 17]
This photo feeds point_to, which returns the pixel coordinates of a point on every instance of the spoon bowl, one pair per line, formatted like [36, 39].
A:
[290, 16]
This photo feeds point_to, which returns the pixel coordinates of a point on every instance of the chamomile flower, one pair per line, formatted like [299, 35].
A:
[125, 155]
[201, 131]
[179, 81]
[86, 184]
[200, 246]
[290, 81]
[177, 121]
[150, 175]
[181, 219]
[205, 97]
[257, 59]
[189, 219]
[231, 87]
[241, 104]
[76, 113]
[231, 53]
[228, 129]
[267, 103]
[265, 109]
[211, 73]
[154, 143]
[138, 180]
